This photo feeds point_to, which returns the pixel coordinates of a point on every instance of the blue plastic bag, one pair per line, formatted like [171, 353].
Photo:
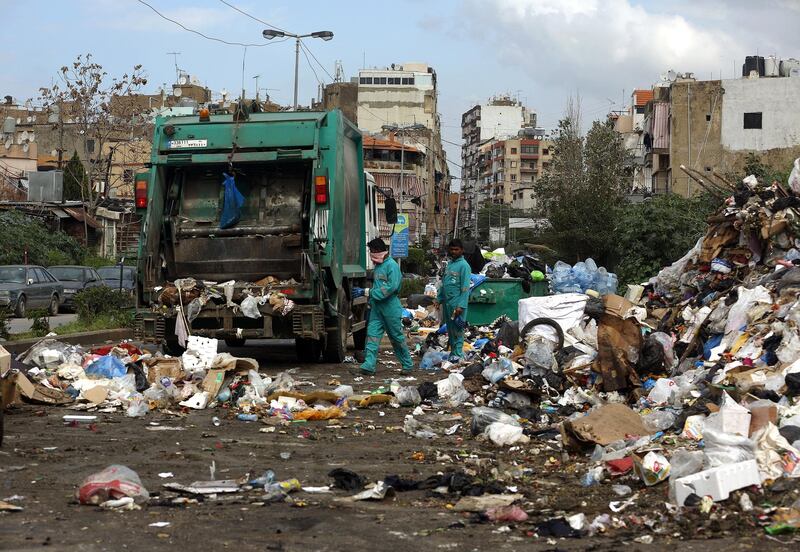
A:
[232, 203]
[107, 366]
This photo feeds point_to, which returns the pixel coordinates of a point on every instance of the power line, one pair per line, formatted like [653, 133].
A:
[315, 59]
[311, 66]
[253, 17]
[215, 39]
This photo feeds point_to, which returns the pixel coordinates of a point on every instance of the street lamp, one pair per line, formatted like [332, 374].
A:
[269, 34]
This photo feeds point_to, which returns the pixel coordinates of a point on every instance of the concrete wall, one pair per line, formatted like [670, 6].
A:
[777, 99]
[498, 121]
[379, 105]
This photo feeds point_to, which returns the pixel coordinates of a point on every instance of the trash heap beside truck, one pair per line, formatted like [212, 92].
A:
[255, 227]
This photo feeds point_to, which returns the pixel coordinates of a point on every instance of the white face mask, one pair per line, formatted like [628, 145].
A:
[378, 258]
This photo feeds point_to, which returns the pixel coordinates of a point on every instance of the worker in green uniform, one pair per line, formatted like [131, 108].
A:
[453, 296]
[385, 309]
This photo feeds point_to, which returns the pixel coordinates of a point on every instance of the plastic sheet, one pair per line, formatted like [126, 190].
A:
[107, 366]
[116, 481]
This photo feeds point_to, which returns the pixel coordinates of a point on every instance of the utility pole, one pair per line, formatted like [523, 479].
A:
[175, 57]
[256, 79]
[61, 136]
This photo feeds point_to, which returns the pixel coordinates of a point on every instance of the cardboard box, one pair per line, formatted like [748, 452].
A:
[14, 387]
[213, 382]
[158, 368]
[96, 394]
[604, 425]
[5, 361]
[617, 305]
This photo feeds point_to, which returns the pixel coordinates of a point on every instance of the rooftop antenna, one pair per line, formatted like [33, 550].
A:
[256, 79]
[175, 58]
[338, 72]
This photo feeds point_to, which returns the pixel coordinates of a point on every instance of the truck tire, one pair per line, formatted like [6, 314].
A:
[544, 322]
[308, 350]
[336, 342]
[172, 347]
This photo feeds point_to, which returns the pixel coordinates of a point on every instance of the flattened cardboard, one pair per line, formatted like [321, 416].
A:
[615, 338]
[605, 425]
[96, 394]
[213, 382]
[617, 305]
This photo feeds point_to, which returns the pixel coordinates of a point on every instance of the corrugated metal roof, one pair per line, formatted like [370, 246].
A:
[661, 125]
[79, 214]
[641, 97]
[370, 142]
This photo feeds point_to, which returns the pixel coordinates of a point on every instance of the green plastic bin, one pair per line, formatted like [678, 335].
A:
[495, 297]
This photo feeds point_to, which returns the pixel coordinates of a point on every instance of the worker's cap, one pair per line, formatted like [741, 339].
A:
[377, 246]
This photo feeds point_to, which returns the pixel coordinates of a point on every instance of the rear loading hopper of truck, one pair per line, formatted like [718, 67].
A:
[303, 220]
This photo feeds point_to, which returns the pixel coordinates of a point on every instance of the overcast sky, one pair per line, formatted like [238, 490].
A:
[539, 50]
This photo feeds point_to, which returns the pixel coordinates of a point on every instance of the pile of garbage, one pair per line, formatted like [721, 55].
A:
[692, 378]
[189, 297]
[125, 378]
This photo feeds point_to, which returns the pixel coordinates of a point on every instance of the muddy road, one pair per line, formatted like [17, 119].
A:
[42, 461]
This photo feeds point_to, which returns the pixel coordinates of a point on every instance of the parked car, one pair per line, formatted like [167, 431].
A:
[75, 279]
[111, 274]
[23, 287]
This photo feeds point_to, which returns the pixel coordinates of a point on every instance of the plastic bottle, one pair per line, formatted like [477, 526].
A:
[267, 478]
[592, 477]
[247, 417]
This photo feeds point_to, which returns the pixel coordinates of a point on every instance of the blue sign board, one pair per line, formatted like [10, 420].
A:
[400, 237]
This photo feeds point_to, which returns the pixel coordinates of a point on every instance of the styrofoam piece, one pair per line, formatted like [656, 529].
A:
[719, 482]
[731, 417]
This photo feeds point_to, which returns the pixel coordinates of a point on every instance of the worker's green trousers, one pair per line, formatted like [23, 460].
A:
[386, 317]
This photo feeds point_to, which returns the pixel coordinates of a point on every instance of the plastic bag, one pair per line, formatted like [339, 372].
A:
[498, 370]
[662, 391]
[794, 177]
[433, 359]
[107, 366]
[282, 382]
[660, 420]
[250, 307]
[416, 428]
[258, 383]
[482, 416]
[683, 462]
[137, 406]
[408, 396]
[232, 203]
[114, 482]
[452, 389]
[725, 448]
[505, 434]
[540, 353]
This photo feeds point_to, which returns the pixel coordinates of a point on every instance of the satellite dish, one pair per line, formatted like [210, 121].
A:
[32, 136]
[8, 144]
[183, 79]
[672, 75]
[25, 147]
[19, 139]
[53, 152]
[25, 136]
[177, 92]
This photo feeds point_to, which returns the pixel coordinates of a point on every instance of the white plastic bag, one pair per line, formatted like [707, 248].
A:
[505, 434]
[794, 177]
[250, 307]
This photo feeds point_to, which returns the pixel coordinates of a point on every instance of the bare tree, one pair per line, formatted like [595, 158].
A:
[101, 116]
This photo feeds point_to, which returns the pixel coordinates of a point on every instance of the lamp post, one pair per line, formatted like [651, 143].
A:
[269, 34]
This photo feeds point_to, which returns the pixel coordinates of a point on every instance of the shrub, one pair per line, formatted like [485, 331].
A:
[101, 301]
[410, 287]
[5, 314]
[21, 233]
[41, 322]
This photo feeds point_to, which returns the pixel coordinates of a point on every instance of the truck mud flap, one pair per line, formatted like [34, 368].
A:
[308, 322]
[149, 327]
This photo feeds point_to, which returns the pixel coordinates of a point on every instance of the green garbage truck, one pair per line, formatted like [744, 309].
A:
[297, 232]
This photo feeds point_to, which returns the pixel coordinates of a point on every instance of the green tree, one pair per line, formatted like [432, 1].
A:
[74, 179]
[657, 232]
[22, 234]
[582, 193]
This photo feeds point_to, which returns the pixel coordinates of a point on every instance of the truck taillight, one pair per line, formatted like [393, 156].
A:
[321, 190]
[141, 194]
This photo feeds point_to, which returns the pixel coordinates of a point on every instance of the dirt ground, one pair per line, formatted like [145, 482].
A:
[43, 461]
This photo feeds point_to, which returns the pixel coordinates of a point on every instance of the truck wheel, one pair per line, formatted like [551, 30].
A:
[235, 341]
[172, 347]
[308, 350]
[336, 342]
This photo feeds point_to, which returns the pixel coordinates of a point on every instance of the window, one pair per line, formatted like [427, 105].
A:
[407, 80]
[513, 164]
[127, 176]
[379, 80]
[546, 151]
[708, 117]
[513, 151]
[40, 275]
[530, 149]
[365, 80]
[394, 80]
[513, 178]
[90, 144]
[752, 120]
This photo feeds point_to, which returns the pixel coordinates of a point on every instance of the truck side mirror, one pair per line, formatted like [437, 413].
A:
[390, 210]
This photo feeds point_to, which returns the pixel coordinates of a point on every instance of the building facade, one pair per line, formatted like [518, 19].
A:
[482, 177]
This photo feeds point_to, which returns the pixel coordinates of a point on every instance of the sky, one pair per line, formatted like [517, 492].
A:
[541, 51]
